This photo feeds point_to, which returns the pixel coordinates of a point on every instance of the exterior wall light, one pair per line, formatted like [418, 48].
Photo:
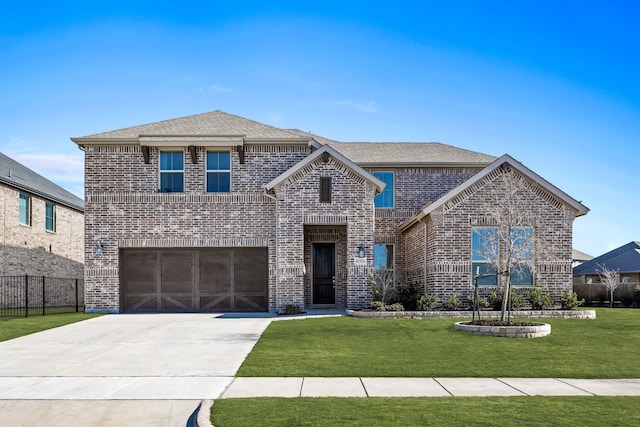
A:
[361, 251]
[98, 248]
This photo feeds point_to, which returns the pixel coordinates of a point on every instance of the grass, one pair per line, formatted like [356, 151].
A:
[14, 327]
[449, 411]
[606, 347]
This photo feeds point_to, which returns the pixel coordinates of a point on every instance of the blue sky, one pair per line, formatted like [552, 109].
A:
[554, 84]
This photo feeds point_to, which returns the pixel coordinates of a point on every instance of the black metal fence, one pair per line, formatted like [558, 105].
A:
[23, 296]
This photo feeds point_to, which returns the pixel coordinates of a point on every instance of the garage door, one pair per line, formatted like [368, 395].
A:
[194, 280]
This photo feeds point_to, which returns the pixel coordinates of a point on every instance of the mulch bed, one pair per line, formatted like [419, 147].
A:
[500, 323]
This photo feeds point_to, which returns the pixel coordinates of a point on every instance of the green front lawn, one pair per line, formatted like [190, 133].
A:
[436, 411]
[14, 327]
[606, 347]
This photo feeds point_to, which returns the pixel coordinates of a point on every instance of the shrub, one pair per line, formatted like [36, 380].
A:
[482, 302]
[396, 306]
[378, 306]
[292, 309]
[636, 295]
[626, 300]
[569, 300]
[495, 300]
[539, 299]
[452, 303]
[427, 302]
[383, 285]
[407, 295]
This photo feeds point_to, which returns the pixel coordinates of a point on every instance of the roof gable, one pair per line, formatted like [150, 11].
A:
[18, 176]
[326, 150]
[625, 259]
[552, 189]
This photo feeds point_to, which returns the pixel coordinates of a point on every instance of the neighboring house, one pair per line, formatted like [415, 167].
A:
[625, 260]
[215, 212]
[579, 258]
[42, 225]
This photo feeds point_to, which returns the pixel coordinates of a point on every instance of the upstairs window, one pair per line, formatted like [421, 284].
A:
[325, 190]
[50, 217]
[218, 171]
[25, 209]
[172, 171]
[386, 198]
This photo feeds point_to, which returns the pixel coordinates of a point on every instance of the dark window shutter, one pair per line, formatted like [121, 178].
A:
[325, 190]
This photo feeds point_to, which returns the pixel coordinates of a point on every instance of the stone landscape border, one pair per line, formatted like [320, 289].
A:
[516, 331]
[563, 314]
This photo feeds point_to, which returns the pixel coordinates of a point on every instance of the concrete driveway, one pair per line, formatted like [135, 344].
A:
[116, 368]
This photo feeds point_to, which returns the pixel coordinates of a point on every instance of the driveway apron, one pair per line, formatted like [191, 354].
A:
[140, 358]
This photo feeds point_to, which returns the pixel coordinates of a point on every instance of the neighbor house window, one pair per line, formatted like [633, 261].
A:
[172, 171]
[50, 217]
[25, 209]
[385, 199]
[484, 252]
[522, 244]
[325, 190]
[218, 171]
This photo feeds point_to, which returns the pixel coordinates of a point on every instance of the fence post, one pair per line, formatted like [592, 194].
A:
[26, 295]
[43, 294]
[76, 294]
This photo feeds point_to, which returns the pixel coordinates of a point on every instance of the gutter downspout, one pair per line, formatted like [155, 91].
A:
[276, 247]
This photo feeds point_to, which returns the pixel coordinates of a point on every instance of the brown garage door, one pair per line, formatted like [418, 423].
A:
[194, 280]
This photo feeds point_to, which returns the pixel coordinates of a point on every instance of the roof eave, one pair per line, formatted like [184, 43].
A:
[41, 194]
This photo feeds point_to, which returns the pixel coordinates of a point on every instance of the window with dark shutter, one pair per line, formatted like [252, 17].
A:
[325, 190]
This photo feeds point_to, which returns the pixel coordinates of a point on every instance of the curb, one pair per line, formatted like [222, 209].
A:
[204, 414]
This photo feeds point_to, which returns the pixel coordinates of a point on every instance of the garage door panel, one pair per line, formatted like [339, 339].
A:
[192, 280]
[215, 270]
[141, 273]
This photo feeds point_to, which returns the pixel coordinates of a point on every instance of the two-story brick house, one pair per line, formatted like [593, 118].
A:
[41, 225]
[214, 212]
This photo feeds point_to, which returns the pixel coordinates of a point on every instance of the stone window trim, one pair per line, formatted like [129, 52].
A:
[221, 168]
[50, 217]
[24, 211]
[325, 189]
[386, 199]
[171, 170]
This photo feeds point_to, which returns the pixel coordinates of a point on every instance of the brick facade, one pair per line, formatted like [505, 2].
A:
[31, 249]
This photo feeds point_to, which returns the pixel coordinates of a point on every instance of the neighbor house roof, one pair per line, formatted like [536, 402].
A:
[555, 191]
[22, 178]
[316, 154]
[625, 259]
[577, 255]
[215, 127]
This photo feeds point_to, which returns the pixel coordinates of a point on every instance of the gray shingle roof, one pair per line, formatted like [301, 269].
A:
[22, 178]
[625, 259]
[403, 153]
[214, 123]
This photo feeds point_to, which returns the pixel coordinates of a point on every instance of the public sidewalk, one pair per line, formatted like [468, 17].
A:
[426, 387]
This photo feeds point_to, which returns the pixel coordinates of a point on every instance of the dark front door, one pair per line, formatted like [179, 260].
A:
[324, 273]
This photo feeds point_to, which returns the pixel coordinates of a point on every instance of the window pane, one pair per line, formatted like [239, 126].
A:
[171, 160]
[484, 244]
[171, 182]
[522, 239]
[25, 216]
[325, 190]
[385, 199]
[383, 257]
[218, 182]
[521, 275]
[218, 160]
[482, 269]
[50, 224]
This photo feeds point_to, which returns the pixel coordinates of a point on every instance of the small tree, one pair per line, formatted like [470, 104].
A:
[383, 285]
[610, 279]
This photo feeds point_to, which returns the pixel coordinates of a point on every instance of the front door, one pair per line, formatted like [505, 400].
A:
[324, 273]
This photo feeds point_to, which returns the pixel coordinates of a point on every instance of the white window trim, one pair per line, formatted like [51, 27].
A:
[53, 206]
[161, 171]
[207, 170]
[29, 210]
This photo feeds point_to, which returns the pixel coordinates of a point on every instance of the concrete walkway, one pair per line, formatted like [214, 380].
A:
[427, 387]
